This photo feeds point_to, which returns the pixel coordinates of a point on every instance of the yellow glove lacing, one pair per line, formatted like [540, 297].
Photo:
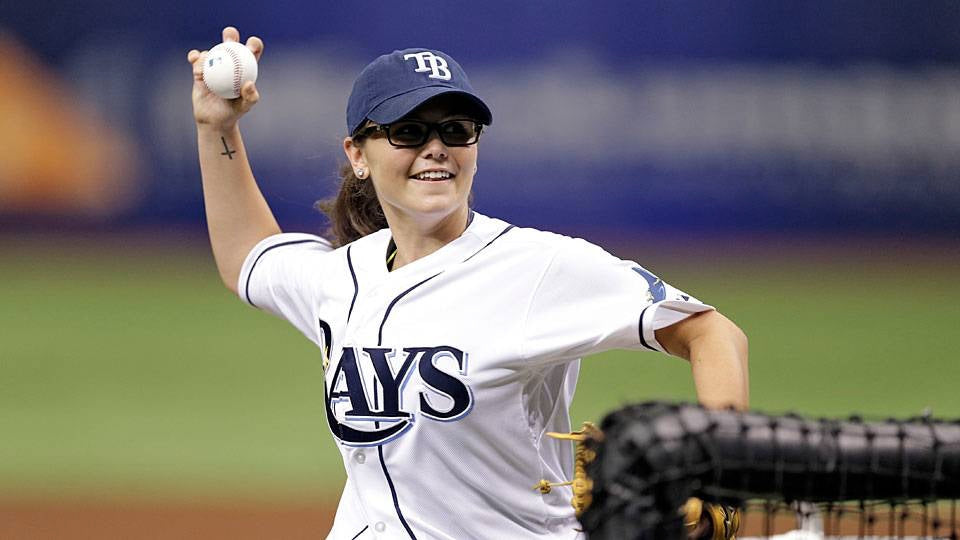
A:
[582, 484]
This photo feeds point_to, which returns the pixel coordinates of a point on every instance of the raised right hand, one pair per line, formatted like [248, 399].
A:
[211, 109]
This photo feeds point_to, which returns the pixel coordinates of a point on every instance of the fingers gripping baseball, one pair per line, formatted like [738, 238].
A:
[221, 110]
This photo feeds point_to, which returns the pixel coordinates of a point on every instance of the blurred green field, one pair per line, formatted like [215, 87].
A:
[127, 370]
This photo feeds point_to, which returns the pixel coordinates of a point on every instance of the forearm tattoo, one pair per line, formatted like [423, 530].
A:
[227, 151]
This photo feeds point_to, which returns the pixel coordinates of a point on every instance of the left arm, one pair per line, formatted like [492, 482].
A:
[717, 351]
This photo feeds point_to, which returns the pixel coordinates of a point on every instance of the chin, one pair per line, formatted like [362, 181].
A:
[435, 207]
[436, 211]
[436, 203]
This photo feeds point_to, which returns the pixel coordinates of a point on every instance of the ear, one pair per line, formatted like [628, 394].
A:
[354, 154]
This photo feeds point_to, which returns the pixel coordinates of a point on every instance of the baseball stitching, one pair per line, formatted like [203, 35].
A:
[237, 70]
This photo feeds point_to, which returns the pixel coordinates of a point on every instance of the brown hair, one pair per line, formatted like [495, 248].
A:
[354, 211]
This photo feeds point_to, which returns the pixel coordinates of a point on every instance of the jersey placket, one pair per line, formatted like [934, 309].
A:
[367, 464]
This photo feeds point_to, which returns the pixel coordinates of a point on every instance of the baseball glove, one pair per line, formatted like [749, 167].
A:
[701, 520]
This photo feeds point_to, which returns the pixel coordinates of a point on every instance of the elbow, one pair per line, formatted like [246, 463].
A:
[718, 326]
[731, 333]
[229, 279]
[228, 267]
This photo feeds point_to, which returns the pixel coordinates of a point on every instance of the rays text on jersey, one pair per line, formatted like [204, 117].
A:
[365, 402]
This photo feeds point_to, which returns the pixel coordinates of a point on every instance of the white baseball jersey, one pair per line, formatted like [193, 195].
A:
[443, 376]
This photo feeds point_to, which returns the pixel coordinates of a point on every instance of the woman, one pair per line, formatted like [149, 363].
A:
[450, 340]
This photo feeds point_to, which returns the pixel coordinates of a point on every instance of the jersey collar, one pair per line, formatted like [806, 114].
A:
[369, 251]
[392, 246]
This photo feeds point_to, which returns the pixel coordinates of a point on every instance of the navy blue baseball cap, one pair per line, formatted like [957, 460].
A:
[394, 84]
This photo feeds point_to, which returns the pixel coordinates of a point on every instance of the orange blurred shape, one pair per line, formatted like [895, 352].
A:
[57, 158]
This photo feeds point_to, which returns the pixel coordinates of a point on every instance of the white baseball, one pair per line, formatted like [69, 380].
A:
[227, 66]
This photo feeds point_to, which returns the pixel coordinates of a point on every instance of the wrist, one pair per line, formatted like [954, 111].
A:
[217, 130]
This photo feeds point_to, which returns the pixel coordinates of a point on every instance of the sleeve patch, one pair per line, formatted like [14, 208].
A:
[656, 287]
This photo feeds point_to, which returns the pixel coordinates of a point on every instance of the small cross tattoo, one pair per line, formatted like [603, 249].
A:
[229, 153]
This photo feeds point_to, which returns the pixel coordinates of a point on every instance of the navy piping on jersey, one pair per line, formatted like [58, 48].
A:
[246, 291]
[383, 463]
[503, 232]
[394, 302]
[393, 492]
[643, 341]
[359, 533]
[356, 286]
[386, 474]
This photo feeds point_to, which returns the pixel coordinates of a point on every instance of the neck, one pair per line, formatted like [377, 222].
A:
[416, 239]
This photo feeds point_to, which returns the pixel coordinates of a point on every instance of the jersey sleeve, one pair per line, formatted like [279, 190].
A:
[281, 276]
[589, 301]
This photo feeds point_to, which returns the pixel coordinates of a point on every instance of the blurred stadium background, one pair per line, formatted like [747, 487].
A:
[794, 163]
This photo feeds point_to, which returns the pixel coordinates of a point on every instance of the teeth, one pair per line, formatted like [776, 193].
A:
[433, 175]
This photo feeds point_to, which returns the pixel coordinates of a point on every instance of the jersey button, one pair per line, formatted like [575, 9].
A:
[380, 526]
[360, 458]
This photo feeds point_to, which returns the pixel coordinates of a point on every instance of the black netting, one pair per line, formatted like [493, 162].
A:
[656, 455]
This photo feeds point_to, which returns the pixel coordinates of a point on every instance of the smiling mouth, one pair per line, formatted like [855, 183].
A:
[433, 176]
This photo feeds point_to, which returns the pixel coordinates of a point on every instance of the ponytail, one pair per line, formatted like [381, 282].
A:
[355, 211]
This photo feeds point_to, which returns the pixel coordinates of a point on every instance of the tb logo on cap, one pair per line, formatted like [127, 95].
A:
[437, 65]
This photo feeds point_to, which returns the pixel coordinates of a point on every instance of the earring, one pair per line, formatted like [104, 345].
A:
[361, 173]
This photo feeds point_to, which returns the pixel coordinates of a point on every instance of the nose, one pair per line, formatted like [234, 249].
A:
[434, 148]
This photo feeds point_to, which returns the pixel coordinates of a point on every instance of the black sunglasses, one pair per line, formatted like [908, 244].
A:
[411, 133]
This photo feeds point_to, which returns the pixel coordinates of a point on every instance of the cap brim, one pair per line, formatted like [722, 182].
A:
[397, 107]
